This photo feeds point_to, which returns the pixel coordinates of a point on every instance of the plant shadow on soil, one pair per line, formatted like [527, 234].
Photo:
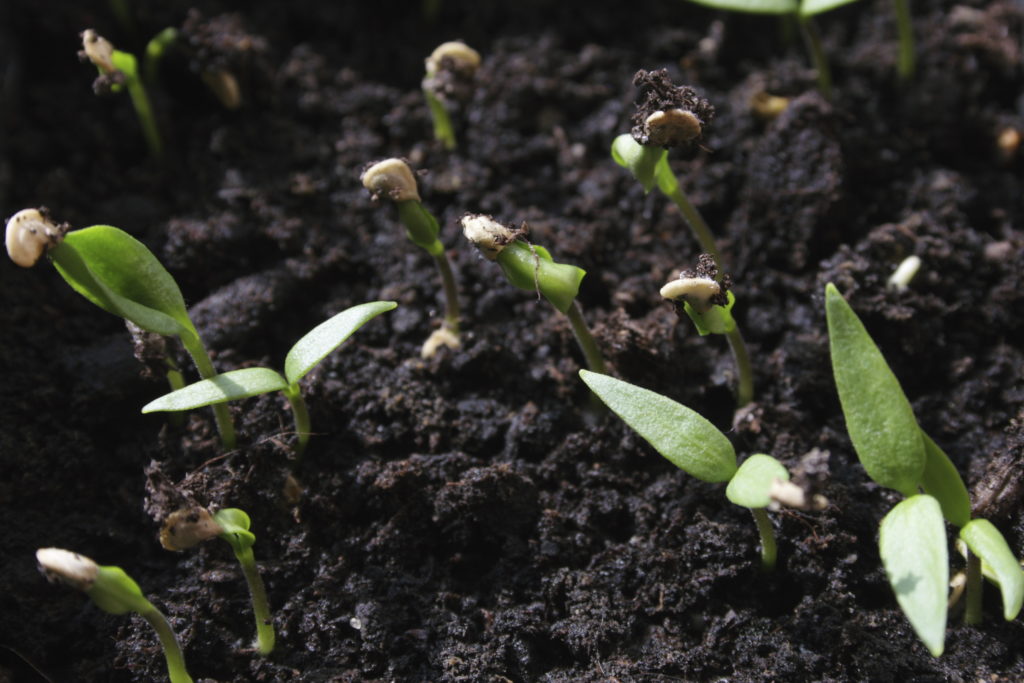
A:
[459, 518]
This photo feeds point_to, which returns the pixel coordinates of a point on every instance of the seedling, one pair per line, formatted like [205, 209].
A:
[305, 355]
[697, 447]
[190, 526]
[897, 454]
[706, 298]
[115, 592]
[666, 116]
[119, 71]
[392, 179]
[531, 268]
[449, 81]
[119, 274]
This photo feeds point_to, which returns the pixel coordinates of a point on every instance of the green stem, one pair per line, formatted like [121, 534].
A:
[194, 345]
[176, 381]
[265, 637]
[301, 414]
[145, 113]
[451, 295]
[443, 131]
[172, 650]
[972, 615]
[906, 33]
[586, 340]
[745, 378]
[696, 222]
[812, 39]
[764, 528]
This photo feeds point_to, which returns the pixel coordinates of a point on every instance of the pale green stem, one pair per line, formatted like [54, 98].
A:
[972, 615]
[265, 636]
[176, 381]
[145, 113]
[451, 295]
[301, 414]
[696, 222]
[745, 373]
[906, 33]
[586, 340]
[443, 130]
[764, 528]
[812, 39]
[194, 345]
[172, 650]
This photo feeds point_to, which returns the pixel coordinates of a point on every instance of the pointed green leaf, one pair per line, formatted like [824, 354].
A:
[985, 541]
[943, 482]
[753, 6]
[327, 336]
[119, 274]
[912, 543]
[808, 8]
[230, 386]
[531, 268]
[878, 415]
[750, 487]
[682, 436]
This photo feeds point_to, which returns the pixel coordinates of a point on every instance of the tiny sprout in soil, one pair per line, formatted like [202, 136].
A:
[305, 355]
[119, 70]
[531, 268]
[190, 526]
[392, 179]
[694, 445]
[451, 68]
[113, 591]
[119, 274]
[897, 454]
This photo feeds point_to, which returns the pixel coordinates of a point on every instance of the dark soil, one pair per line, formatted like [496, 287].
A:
[461, 519]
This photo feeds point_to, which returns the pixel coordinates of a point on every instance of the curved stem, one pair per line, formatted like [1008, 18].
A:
[744, 371]
[812, 39]
[586, 340]
[194, 345]
[265, 637]
[905, 29]
[451, 295]
[696, 222]
[972, 615]
[172, 650]
[764, 528]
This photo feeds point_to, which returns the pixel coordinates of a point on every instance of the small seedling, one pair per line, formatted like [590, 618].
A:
[900, 279]
[897, 454]
[531, 268]
[115, 592]
[449, 81]
[119, 70]
[190, 526]
[305, 355]
[666, 116]
[119, 274]
[694, 445]
[392, 179]
[708, 301]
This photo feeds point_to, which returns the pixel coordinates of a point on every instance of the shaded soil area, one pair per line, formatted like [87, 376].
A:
[462, 518]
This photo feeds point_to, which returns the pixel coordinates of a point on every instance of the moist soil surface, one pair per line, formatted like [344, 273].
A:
[468, 517]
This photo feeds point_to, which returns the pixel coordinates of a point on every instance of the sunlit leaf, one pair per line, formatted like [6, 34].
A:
[230, 386]
[750, 487]
[984, 540]
[329, 335]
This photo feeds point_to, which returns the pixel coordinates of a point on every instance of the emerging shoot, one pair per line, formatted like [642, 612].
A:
[305, 355]
[451, 68]
[530, 267]
[707, 300]
[119, 274]
[119, 70]
[392, 179]
[113, 591]
[190, 526]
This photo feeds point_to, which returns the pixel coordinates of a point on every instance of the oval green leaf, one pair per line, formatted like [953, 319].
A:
[119, 274]
[329, 335]
[943, 482]
[531, 268]
[985, 541]
[752, 6]
[912, 543]
[230, 386]
[681, 435]
[116, 592]
[878, 415]
[235, 523]
[751, 486]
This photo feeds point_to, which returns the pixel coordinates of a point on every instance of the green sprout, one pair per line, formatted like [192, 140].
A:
[115, 592]
[119, 274]
[897, 454]
[691, 443]
[305, 355]
[531, 268]
[190, 526]
[119, 70]
[706, 298]
[449, 80]
[392, 179]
